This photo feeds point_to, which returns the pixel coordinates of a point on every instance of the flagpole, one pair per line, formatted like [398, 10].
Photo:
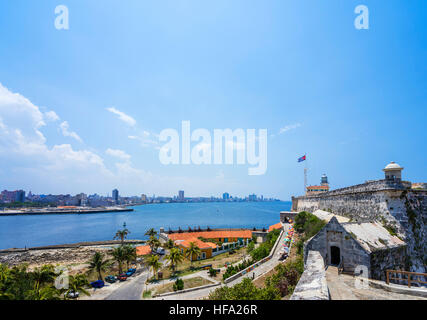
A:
[305, 173]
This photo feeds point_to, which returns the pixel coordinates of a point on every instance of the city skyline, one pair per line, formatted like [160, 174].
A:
[82, 108]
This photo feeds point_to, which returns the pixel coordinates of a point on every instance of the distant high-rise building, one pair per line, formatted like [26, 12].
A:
[13, 196]
[144, 198]
[20, 196]
[225, 196]
[252, 197]
[115, 195]
[181, 195]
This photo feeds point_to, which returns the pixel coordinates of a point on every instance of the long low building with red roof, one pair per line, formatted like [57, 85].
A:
[213, 242]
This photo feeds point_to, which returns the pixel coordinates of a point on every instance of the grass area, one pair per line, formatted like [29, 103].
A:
[217, 262]
[188, 283]
[146, 294]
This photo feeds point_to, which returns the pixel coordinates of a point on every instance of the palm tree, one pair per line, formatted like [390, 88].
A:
[170, 244]
[45, 274]
[154, 263]
[129, 254]
[151, 232]
[119, 256]
[43, 279]
[192, 250]
[174, 257]
[43, 293]
[153, 242]
[122, 234]
[77, 283]
[99, 264]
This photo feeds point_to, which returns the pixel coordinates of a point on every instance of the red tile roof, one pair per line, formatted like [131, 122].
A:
[275, 226]
[143, 250]
[201, 244]
[246, 234]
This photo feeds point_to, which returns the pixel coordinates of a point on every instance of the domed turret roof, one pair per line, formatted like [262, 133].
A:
[393, 166]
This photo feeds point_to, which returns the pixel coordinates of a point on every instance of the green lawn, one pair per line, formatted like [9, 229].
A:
[188, 283]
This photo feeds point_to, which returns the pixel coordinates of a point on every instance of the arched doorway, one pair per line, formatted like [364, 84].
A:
[335, 255]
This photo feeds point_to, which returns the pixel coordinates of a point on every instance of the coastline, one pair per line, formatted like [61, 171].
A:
[66, 211]
[71, 245]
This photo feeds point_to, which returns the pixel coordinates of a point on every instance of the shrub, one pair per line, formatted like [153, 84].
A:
[213, 272]
[178, 285]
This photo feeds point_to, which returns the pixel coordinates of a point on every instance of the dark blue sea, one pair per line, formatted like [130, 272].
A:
[41, 230]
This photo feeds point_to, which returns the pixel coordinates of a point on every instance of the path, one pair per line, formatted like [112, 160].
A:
[342, 287]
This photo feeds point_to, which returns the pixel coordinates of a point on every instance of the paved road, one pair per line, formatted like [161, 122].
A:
[131, 290]
[262, 269]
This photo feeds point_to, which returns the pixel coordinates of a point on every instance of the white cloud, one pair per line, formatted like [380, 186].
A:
[118, 154]
[23, 143]
[64, 126]
[51, 116]
[146, 139]
[123, 116]
[289, 127]
[28, 162]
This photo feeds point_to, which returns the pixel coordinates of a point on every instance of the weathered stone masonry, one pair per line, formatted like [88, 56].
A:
[399, 208]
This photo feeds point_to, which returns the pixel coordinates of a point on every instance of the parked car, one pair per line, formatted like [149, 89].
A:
[73, 295]
[160, 251]
[122, 277]
[130, 272]
[97, 284]
[110, 279]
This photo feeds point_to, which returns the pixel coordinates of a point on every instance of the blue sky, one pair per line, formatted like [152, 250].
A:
[354, 100]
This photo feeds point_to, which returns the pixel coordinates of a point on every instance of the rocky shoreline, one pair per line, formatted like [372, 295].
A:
[74, 256]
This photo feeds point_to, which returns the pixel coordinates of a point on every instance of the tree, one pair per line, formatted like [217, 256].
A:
[154, 263]
[77, 283]
[99, 264]
[193, 250]
[153, 242]
[119, 256]
[130, 254]
[45, 274]
[122, 234]
[174, 257]
[42, 279]
[245, 290]
[151, 232]
[43, 293]
[170, 244]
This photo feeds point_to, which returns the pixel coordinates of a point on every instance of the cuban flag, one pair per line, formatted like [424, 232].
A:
[301, 159]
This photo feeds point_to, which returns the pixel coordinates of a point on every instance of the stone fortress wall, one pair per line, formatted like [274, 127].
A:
[393, 203]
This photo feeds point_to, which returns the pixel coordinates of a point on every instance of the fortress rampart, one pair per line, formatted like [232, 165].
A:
[399, 208]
